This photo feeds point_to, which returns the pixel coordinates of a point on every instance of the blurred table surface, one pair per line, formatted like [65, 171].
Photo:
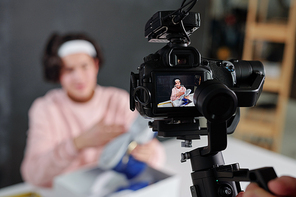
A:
[247, 155]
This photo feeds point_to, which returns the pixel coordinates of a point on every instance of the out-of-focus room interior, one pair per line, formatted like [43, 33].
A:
[262, 30]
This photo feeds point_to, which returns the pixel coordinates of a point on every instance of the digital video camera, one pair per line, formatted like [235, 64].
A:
[176, 87]
[214, 88]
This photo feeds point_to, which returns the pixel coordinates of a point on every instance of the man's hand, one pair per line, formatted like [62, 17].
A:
[100, 134]
[144, 152]
[282, 186]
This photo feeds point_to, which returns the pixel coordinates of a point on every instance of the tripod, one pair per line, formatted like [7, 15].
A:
[210, 176]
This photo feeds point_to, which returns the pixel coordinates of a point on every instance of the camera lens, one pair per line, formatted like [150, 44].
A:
[245, 69]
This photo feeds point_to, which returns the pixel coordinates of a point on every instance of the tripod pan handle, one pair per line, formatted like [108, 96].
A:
[262, 176]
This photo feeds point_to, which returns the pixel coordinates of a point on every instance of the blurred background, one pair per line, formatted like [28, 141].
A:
[118, 26]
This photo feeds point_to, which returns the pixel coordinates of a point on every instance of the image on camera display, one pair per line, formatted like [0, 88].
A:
[176, 90]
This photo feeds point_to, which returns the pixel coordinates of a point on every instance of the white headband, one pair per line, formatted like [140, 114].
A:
[77, 46]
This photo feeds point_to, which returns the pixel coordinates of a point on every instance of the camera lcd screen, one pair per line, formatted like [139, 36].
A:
[176, 90]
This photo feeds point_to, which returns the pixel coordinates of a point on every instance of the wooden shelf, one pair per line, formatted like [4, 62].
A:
[272, 85]
[262, 130]
[268, 32]
[260, 122]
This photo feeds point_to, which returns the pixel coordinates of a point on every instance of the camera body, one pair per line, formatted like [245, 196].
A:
[176, 86]
[214, 89]
[152, 87]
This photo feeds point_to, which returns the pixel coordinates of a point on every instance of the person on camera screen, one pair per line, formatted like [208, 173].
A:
[180, 95]
[178, 90]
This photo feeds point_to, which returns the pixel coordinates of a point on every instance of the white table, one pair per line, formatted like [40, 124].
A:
[247, 155]
[22, 188]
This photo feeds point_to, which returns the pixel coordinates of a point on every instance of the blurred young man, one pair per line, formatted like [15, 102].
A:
[69, 127]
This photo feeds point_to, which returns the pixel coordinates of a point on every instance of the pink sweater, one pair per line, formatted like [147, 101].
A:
[175, 91]
[54, 120]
